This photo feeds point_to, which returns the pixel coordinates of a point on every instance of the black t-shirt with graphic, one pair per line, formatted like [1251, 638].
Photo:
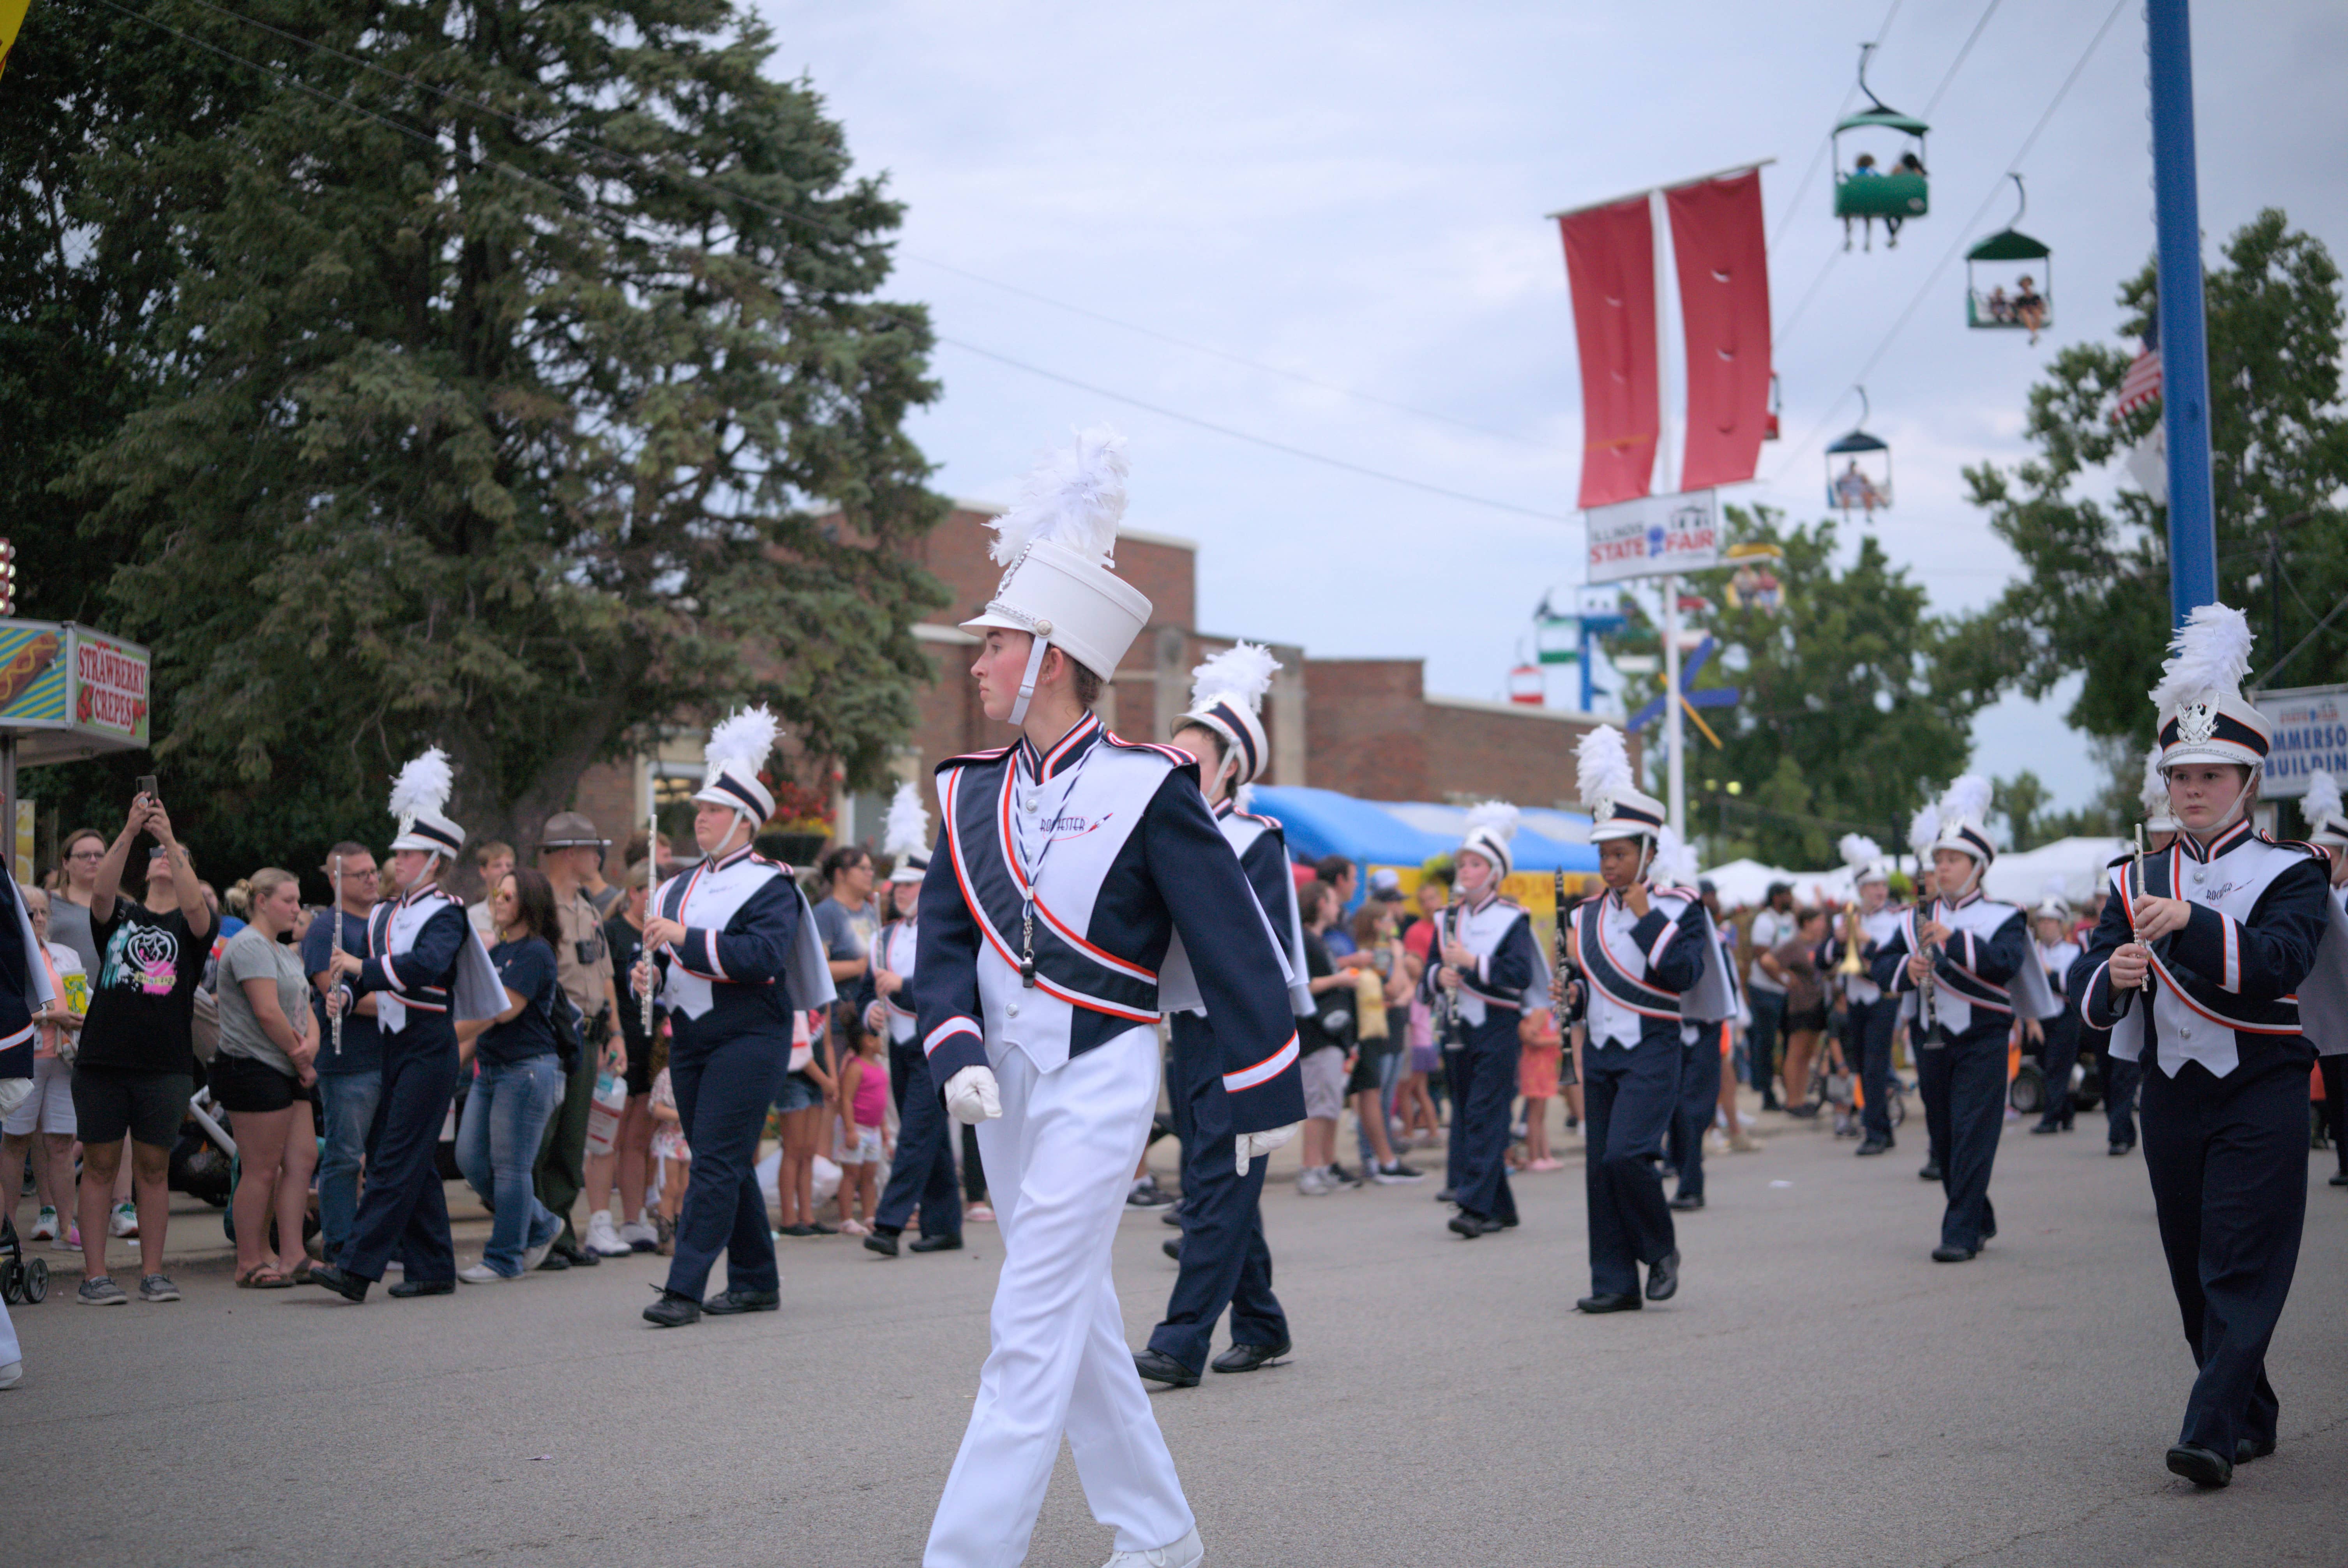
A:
[144, 993]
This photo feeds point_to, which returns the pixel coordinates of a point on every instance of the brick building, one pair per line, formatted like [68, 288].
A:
[1365, 727]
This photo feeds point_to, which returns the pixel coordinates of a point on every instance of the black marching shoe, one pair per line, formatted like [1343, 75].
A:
[577, 1257]
[1688, 1201]
[1612, 1301]
[729, 1303]
[2338, 1179]
[2201, 1467]
[1873, 1146]
[2123, 1147]
[1474, 1225]
[2046, 1127]
[1160, 1367]
[673, 1310]
[2249, 1448]
[1945, 1253]
[1663, 1276]
[1446, 1196]
[882, 1242]
[553, 1262]
[1172, 1247]
[1248, 1357]
[935, 1245]
[349, 1286]
[407, 1288]
[1930, 1172]
[1172, 1216]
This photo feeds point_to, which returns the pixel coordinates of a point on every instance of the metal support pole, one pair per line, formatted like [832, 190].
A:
[1674, 753]
[2184, 344]
[8, 806]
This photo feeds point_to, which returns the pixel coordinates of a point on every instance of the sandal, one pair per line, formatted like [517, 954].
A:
[263, 1277]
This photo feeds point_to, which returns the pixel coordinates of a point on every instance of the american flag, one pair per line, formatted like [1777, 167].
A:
[2141, 384]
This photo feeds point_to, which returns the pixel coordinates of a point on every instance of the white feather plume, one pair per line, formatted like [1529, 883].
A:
[1924, 828]
[1495, 816]
[746, 738]
[2208, 658]
[2321, 801]
[906, 829]
[1075, 497]
[1602, 768]
[1242, 672]
[2154, 796]
[1966, 801]
[1858, 851]
[423, 785]
[1674, 862]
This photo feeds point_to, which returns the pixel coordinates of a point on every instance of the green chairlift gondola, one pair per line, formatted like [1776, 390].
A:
[1866, 190]
[2002, 296]
[1863, 481]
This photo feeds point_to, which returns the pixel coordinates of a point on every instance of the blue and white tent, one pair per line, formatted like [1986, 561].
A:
[1406, 834]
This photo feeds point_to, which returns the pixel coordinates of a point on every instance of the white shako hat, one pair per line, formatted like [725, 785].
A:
[2052, 904]
[737, 748]
[1964, 816]
[2327, 821]
[1058, 547]
[2158, 817]
[906, 834]
[1603, 770]
[1864, 856]
[2203, 716]
[1227, 697]
[1491, 829]
[418, 797]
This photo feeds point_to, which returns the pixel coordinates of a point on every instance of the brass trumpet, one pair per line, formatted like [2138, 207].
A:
[1854, 934]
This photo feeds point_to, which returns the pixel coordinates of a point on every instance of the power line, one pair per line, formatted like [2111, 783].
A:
[1971, 39]
[1932, 278]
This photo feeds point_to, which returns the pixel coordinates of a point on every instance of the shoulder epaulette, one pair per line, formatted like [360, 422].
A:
[995, 755]
[1173, 753]
[2295, 845]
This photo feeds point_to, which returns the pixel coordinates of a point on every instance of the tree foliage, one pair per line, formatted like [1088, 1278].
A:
[485, 361]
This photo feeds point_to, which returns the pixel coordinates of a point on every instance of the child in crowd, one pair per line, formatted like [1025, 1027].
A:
[863, 1111]
[1537, 1075]
[669, 1149]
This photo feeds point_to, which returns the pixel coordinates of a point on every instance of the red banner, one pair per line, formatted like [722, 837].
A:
[1610, 260]
[1722, 255]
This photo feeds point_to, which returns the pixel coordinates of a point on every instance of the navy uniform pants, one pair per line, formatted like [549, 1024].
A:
[2121, 1078]
[2061, 1055]
[404, 1209]
[724, 1086]
[1456, 1071]
[923, 1172]
[1487, 1066]
[1866, 1048]
[1225, 1262]
[1964, 1081]
[1628, 1095]
[1762, 1039]
[1928, 1090]
[2227, 1159]
[1698, 1106]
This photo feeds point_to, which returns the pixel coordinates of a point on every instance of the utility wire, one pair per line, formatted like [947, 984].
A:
[595, 208]
[1827, 142]
[1971, 39]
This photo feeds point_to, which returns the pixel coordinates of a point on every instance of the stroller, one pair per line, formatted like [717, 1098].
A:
[20, 1281]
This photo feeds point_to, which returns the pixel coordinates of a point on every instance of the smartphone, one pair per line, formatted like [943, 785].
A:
[147, 786]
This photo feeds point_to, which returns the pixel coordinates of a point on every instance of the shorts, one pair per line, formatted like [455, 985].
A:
[800, 1092]
[245, 1086]
[49, 1107]
[1324, 1083]
[1813, 1019]
[149, 1107]
[1425, 1058]
[865, 1151]
[640, 1065]
[1537, 1071]
[1369, 1066]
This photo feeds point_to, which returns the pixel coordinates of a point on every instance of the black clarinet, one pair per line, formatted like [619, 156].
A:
[1575, 995]
[1448, 1032]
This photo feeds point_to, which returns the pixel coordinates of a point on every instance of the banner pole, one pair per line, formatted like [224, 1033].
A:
[1674, 752]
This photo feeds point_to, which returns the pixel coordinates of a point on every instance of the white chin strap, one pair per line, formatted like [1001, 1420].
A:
[1036, 648]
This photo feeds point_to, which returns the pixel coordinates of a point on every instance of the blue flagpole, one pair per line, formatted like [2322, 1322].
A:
[2184, 347]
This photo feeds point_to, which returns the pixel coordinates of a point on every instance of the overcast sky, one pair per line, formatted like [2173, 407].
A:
[1354, 195]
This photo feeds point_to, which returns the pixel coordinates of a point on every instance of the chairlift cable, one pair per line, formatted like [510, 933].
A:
[1825, 143]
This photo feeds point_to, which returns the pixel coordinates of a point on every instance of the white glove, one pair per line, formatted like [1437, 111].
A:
[1252, 1144]
[972, 1096]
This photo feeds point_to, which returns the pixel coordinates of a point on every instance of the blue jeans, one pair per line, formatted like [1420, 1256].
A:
[497, 1143]
[349, 1101]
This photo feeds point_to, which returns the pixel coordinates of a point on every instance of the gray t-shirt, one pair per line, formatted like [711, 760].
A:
[1770, 931]
[253, 955]
[69, 924]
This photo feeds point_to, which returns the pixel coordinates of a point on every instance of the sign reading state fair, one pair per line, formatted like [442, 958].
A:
[1653, 536]
[2310, 731]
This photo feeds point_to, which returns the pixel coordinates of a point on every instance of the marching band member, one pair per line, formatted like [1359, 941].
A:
[1485, 969]
[1922, 829]
[1080, 888]
[923, 1171]
[731, 946]
[2121, 1075]
[1224, 1261]
[428, 970]
[1870, 1015]
[1650, 961]
[1700, 1064]
[2223, 969]
[1967, 956]
[2058, 1036]
[2327, 829]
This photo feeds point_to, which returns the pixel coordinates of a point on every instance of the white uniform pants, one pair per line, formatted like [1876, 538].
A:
[1059, 1162]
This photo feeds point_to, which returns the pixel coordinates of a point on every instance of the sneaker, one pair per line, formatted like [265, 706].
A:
[158, 1287]
[1395, 1174]
[45, 1229]
[1312, 1182]
[100, 1292]
[640, 1237]
[12, 1374]
[1187, 1553]
[603, 1237]
[979, 1213]
[1341, 1176]
[71, 1241]
[1148, 1194]
[125, 1223]
[482, 1273]
[854, 1228]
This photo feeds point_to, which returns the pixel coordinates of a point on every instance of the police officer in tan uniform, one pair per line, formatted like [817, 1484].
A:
[567, 850]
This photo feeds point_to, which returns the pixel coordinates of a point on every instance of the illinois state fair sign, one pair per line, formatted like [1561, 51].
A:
[2310, 731]
[1653, 536]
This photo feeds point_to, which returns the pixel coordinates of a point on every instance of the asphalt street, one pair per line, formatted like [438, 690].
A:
[1819, 1394]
